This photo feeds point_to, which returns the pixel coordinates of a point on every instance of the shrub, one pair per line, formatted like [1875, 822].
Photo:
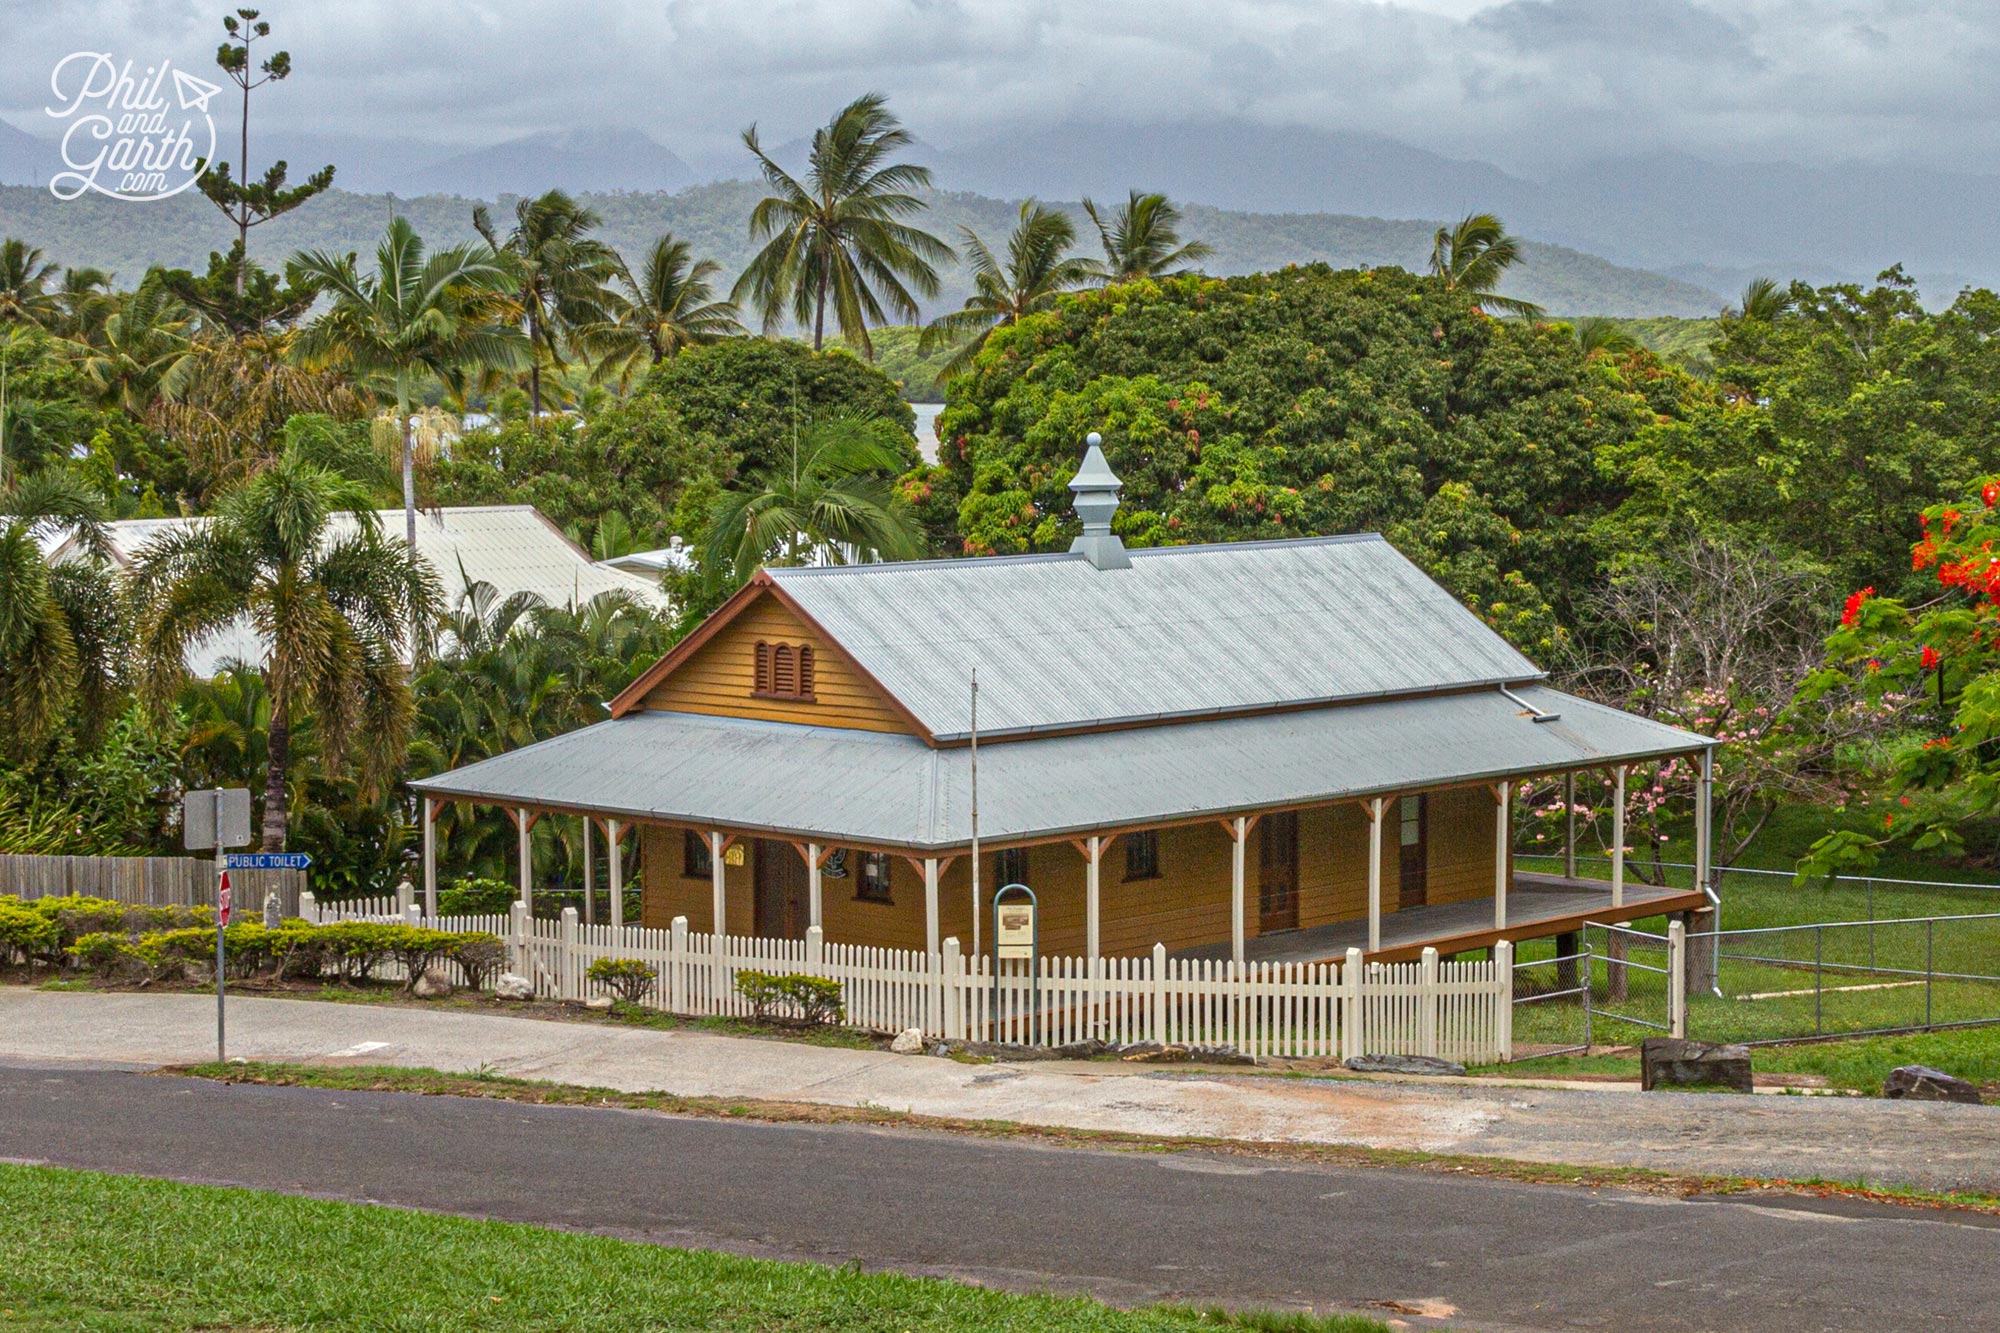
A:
[27, 935]
[480, 956]
[477, 897]
[76, 916]
[115, 957]
[795, 996]
[627, 978]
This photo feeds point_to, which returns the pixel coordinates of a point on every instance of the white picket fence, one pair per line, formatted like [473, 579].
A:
[1459, 1010]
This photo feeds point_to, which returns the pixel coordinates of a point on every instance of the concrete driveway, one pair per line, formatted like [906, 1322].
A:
[1920, 1145]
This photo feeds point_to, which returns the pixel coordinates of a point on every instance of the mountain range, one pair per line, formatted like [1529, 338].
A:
[1639, 235]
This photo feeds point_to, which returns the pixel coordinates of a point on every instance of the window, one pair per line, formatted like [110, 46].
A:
[873, 884]
[1411, 808]
[1010, 866]
[1142, 855]
[695, 862]
[783, 671]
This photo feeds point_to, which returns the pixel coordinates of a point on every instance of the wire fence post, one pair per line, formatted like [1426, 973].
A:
[1871, 922]
[1930, 974]
[1819, 978]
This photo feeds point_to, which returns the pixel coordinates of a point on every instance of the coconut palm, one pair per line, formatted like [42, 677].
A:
[827, 497]
[83, 303]
[668, 306]
[838, 235]
[139, 350]
[338, 606]
[1473, 256]
[416, 316]
[1763, 300]
[1608, 336]
[1039, 268]
[559, 271]
[25, 297]
[60, 639]
[1142, 239]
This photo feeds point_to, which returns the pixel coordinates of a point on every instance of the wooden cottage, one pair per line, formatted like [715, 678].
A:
[1265, 750]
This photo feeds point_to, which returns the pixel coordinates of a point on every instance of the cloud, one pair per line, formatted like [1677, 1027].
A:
[1530, 84]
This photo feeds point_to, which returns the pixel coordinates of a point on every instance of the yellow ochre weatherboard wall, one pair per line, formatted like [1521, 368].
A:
[717, 678]
[1187, 904]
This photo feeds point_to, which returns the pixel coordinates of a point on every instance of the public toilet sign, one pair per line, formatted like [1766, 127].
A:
[267, 861]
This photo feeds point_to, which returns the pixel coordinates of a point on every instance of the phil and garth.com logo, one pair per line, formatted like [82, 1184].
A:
[129, 137]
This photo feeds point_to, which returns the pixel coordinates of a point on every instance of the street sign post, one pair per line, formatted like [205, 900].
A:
[210, 821]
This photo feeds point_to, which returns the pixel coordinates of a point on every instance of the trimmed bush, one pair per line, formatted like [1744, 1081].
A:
[480, 956]
[115, 957]
[793, 996]
[474, 896]
[628, 978]
[27, 935]
[353, 949]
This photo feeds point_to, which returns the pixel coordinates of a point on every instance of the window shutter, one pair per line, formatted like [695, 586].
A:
[762, 683]
[785, 671]
[806, 671]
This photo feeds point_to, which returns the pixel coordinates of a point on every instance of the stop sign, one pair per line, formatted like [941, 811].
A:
[222, 901]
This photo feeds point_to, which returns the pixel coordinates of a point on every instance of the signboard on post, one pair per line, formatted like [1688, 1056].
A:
[214, 819]
[1014, 928]
[267, 861]
[210, 821]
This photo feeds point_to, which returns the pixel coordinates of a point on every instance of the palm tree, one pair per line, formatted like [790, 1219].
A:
[139, 350]
[24, 285]
[1473, 256]
[1607, 336]
[1039, 268]
[559, 271]
[837, 235]
[1763, 300]
[59, 631]
[415, 316]
[336, 603]
[670, 305]
[84, 302]
[829, 497]
[1142, 240]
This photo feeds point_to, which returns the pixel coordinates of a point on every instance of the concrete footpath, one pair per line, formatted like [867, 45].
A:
[1923, 1145]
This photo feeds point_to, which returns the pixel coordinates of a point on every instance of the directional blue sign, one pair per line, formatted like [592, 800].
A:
[266, 861]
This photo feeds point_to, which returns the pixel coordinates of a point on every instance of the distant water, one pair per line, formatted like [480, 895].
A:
[927, 440]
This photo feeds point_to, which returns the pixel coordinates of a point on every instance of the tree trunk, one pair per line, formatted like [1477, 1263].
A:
[535, 392]
[277, 762]
[243, 170]
[819, 313]
[409, 475]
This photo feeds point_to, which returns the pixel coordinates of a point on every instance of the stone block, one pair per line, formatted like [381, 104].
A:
[1402, 1064]
[910, 1041]
[1675, 1062]
[1921, 1083]
[513, 986]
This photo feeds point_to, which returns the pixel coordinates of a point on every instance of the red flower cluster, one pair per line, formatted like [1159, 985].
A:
[1990, 493]
[1851, 615]
[1930, 658]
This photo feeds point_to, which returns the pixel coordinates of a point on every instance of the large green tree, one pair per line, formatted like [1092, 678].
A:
[61, 653]
[298, 553]
[839, 236]
[26, 296]
[560, 273]
[1039, 267]
[1296, 403]
[826, 499]
[1835, 415]
[418, 317]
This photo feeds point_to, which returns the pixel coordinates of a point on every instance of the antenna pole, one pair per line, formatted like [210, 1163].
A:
[975, 812]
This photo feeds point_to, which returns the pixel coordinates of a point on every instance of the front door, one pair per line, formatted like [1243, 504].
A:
[1414, 840]
[1278, 871]
[781, 891]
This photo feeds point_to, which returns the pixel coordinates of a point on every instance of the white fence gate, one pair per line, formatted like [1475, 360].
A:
[1456, 1010]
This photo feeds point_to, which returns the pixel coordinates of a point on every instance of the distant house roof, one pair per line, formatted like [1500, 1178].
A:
[1185, 632]
[513, 547]
[894, 790]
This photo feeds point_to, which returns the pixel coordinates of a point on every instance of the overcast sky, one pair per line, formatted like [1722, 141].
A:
[1529, 84]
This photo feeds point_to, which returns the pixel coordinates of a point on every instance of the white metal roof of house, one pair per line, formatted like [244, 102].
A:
[513, 547]
[828, 784]
[1186, 632]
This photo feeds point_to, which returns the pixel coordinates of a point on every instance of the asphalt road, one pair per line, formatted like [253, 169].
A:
[1128, 1227]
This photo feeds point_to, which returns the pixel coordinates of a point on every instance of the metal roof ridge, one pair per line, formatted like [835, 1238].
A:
[788, 572]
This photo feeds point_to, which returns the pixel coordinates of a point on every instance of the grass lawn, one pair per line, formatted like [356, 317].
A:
[1859, 1065]
[115, 1254]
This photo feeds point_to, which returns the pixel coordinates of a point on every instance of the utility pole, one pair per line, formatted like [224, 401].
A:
[975, 812]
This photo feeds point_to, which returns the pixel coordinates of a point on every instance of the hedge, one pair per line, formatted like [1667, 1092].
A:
[349, 950]
[804, 999]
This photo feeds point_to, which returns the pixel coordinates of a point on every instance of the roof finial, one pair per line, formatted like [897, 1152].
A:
[1096, 487]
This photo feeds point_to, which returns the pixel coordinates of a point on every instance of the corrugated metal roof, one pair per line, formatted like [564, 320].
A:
[512, 547]
[829, 785]
[1186, 631]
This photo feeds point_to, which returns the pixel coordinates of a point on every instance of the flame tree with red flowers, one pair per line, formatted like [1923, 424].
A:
[1936, 663]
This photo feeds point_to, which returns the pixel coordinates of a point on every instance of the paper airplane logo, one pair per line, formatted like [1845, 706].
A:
[194, 93]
